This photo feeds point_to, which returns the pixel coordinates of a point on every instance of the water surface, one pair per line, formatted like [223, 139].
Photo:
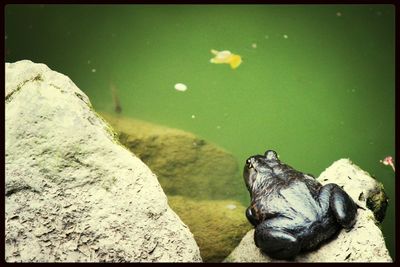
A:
[316, 84]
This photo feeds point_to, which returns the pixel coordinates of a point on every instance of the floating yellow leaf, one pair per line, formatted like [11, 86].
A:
[226, 57]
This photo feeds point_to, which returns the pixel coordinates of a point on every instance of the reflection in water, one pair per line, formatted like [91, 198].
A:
[117, 104]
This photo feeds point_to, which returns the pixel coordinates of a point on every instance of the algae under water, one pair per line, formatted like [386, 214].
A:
[316, 83]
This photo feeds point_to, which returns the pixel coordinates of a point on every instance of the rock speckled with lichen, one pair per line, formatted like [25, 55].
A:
[73, 194]
[363, 243]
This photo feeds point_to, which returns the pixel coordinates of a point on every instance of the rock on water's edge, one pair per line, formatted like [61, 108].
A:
[363, 243]
[73, 194]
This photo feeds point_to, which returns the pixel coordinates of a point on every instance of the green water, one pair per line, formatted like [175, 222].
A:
[317, 82]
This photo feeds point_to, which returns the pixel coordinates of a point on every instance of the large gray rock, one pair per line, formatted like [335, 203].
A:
[72, 192]
[364, 243]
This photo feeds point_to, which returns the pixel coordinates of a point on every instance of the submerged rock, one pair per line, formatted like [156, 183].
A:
[217, 225]
[363, 243]
[73, 194]
[185, 164]
[199, 178]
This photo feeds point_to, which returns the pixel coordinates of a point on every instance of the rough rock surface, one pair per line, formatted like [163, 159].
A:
[364, 243]
[73, 194]
[217, 225]
[181, 160]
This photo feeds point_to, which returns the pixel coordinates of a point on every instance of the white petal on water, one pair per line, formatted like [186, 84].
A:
[93, 70]
[224, 54]
[339, 14]
[254, 45]
[285, 36]
[180, 87]
[193, 116]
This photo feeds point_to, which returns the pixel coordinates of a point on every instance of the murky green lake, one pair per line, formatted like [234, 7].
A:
[316, 84]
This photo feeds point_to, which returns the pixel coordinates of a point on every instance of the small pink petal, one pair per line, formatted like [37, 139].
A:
[388, 160]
